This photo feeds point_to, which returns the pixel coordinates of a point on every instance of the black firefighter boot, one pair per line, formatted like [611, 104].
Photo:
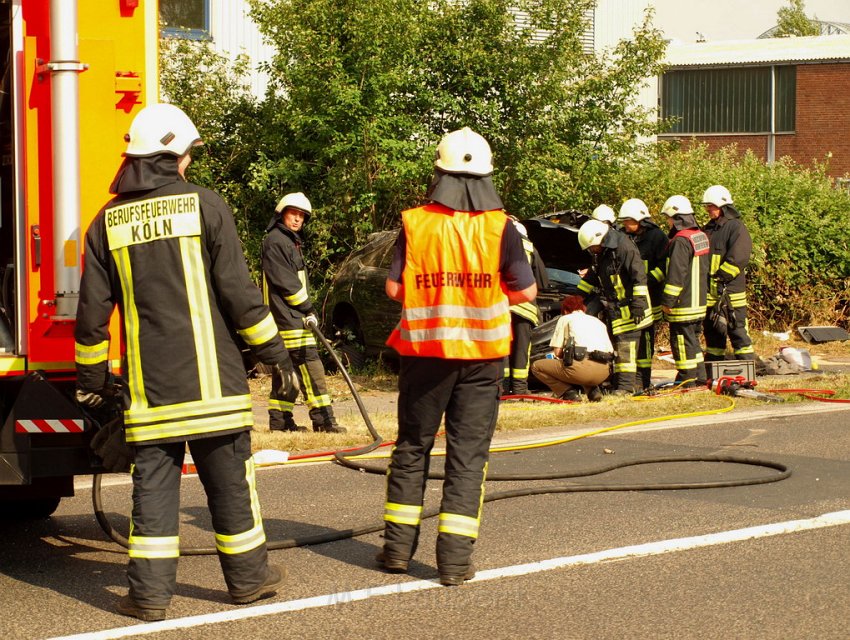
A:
[520, 387]
[324, 421]
[283, 421]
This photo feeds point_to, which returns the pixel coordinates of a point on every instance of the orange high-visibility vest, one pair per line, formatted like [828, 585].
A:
[454, 305]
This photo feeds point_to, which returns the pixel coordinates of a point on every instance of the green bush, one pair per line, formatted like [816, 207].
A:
[800, 268]
[357, 137]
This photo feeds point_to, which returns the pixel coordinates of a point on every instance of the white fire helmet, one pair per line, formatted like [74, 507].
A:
[591, 233]
[295, 200]
[603, 213]
[718, 195]
[675, 205]
[634, 209]
[161, 128]
[464, 151]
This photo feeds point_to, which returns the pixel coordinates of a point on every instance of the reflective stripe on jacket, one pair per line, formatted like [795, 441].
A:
[527, 310]
[171, 259]
[620, 277]
[454, 306]
[286, 288]
[687, 270]
[731, 248]
[652, 245]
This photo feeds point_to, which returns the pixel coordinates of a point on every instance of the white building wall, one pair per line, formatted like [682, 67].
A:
[234, 33]
[616, 20]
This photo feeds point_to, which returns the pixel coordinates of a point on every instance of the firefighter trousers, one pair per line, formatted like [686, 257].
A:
[467, 393]
[311, 377]
[645, 352]
[226, 470]
[516, 364]
[625, 363]
[739, 337]
[687, 352]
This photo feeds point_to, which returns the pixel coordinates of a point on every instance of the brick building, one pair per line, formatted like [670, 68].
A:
[778, 97]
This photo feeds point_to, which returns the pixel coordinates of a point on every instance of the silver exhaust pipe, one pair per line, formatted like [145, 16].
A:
[64, 68]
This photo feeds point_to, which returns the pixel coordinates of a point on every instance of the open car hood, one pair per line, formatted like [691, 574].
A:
[555, 236]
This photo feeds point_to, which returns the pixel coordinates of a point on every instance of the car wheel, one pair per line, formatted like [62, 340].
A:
[351, 355]
[349, 345]
[24, 510]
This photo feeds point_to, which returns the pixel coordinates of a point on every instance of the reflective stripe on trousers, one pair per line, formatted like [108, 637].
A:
[311, 377]
[739, 338]
[467, 393]
[226, 470]
[687, 352]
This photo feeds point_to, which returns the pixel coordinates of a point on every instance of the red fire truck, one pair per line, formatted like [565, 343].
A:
[75, 73]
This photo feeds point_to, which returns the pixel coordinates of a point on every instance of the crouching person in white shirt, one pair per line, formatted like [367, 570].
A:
[582, 354]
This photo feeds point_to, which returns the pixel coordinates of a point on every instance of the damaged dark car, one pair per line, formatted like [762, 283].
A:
[359, 317]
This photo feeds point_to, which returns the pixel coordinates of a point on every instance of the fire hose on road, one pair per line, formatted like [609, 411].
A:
[349, 458]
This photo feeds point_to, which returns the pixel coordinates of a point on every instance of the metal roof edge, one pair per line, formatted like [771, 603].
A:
[820, 49]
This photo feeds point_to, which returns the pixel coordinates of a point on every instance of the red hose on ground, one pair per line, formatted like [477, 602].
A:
[322, 454]
[539, 399]
[813, 394]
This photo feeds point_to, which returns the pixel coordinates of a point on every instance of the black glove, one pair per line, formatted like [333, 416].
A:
[90, 399]
[612, 312]
[110, 393]
[310, 321]
[288, 389]
[109, 445]
[718, 319]
[638, 309]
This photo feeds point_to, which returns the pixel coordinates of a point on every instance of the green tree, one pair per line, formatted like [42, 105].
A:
[800, 268]
[361, 92]
[214, 92]
[792, 21]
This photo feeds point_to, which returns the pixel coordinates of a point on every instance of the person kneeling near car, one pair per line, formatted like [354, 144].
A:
[582, 353]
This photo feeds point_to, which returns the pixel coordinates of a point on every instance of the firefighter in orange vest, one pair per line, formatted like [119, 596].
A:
[459, 264]
[166, 252]
[684, 295]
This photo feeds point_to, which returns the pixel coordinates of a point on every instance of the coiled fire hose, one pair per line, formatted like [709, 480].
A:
[347, 458]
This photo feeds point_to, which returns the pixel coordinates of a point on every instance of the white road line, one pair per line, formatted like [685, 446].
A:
[621, 553]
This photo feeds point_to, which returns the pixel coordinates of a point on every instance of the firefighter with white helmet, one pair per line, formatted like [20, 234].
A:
[524, 317]
[592, 233]
[684, 296]
[458, 265]
[731, 248]
[651, 242]
[287, 290]
[167, 253]
[619, 278]
[604, 213]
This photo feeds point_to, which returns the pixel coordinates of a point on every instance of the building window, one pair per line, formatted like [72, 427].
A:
[185, 18]
[729, 100]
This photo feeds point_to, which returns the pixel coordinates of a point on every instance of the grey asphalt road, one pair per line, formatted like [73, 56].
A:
[550, 566]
